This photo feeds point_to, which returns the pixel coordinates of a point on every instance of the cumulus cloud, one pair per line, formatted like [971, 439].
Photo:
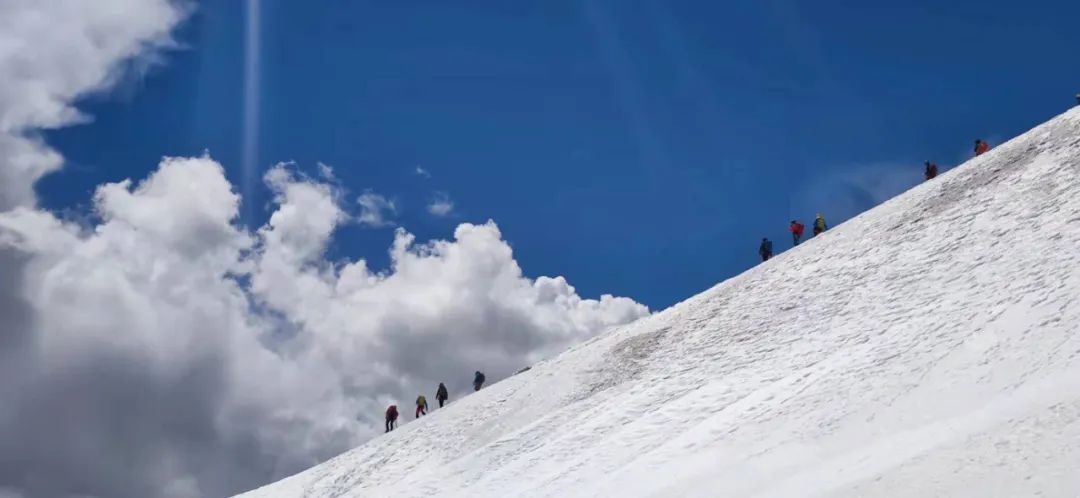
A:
[375, 210]
[166, 351]
[441, 205]
[158, 348]
[423, 172]
[54, 52]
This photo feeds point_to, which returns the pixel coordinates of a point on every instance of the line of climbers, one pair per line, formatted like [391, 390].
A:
[930, 171]
[765, 250]
[441, 395]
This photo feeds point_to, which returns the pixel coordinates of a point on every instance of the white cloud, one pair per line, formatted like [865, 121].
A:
[326, 171]
[375, 210]
[441, 205]
[50, 54]
[160, 349]
[166, 347]
[423, 172]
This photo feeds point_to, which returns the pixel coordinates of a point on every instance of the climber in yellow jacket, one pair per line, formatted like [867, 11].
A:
[421, 406]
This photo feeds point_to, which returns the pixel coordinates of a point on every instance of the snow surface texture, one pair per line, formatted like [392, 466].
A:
[929, 347]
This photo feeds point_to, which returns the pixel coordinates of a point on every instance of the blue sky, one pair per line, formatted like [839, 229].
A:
[638, 148]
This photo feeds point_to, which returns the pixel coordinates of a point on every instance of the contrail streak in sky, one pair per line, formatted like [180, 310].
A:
[249, 155]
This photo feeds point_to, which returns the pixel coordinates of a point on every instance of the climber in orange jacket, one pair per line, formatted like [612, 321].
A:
[980, 147]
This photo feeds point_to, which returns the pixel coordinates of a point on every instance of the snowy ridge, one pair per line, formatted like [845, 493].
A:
[928, 347]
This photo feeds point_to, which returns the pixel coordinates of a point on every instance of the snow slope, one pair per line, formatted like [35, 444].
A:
[929, 347]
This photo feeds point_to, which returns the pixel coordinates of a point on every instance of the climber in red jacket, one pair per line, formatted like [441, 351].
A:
[796, 230]
[391, 417]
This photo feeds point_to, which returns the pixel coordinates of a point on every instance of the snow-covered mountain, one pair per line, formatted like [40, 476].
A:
[929, 347]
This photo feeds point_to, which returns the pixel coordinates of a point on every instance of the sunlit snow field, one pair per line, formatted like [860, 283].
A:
[929, 347]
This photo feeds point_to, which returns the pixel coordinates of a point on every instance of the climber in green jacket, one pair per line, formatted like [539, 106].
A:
[819, 224]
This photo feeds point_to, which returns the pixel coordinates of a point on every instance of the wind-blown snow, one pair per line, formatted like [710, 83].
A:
[929, 347]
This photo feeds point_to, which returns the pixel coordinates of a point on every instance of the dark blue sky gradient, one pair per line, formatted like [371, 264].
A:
[638, 148]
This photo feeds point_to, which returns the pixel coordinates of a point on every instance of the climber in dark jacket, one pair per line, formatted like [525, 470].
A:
[931, 170]
[441, 394]
[765, 249]
[478, 380]
[391, 417]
